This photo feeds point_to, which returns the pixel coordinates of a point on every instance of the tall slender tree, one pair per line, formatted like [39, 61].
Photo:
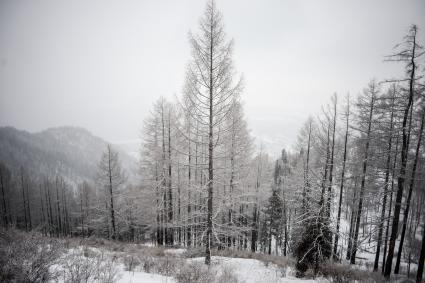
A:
[341, 187]
[111, 177]
[410, 52]
[370, 93]
[212, 94]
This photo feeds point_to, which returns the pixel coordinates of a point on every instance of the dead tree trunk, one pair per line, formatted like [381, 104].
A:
[387, 175]
[170, 233]
[363, 181]
[409, 196]
[24, 203]
[404, 149]
[421, 259]
[341, 187]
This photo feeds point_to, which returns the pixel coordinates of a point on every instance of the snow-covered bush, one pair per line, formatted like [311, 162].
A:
[162, 265]
[147, 263]
[194, 252]
[227, 276]
[76, 267]
[107, 270]
[194, 273]
[340, 273]
[130, 262]
[27, 257]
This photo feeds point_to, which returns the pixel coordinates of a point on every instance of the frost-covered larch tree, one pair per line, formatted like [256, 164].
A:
[213, 91]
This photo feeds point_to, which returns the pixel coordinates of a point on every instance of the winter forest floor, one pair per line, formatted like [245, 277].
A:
[34, 257]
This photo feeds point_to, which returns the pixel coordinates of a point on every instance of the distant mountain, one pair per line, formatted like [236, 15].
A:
[70, 151]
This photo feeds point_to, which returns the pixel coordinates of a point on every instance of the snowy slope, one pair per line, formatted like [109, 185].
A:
[255, 271]
[244, 270]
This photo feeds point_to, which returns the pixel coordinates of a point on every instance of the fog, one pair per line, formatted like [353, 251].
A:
[101, 64]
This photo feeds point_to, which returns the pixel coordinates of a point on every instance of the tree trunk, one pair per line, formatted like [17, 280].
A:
[402, 175]
[111, 200]
[387, 175]
[49, 200]
[24, 199]
[362, 185]
[421, 259]
[210, 146]
[352, 222]
[306, 190]
[43, 220]
[341, 187]
[189, 182]
[170, 234]
[254, 233]
[58, 212]
[409, 196]
[331, 166]
[2, 183]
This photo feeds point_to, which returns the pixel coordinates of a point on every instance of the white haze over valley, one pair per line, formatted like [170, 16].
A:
[101, 64]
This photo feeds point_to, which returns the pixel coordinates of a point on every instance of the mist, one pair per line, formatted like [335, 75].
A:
[101, 64]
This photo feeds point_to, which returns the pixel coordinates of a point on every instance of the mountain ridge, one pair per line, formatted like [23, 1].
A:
[73, 152]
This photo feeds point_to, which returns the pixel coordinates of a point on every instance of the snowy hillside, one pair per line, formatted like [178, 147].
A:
[71, 152]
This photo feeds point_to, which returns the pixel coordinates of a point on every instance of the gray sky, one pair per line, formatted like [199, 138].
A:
[101, 64]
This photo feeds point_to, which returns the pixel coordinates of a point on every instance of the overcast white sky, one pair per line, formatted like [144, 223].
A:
[101, 64]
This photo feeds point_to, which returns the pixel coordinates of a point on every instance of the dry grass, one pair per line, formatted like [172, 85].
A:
[194, 273]
[280, 261]
[341, 273]
[117, 247]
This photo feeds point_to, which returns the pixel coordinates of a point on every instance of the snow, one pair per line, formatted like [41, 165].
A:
[174, 252]
[245, 270]
[143, 277]
[255, 271]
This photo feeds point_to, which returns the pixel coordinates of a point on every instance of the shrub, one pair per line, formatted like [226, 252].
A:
[167, 265]
[154, 251]
[130, 262]
[27, 257]
[194, 252]
[343, 274]
[194, 273]
[107, 270]
[147, 263]
[161, 265]
[78, 268]
[227, 276]
[280, 261]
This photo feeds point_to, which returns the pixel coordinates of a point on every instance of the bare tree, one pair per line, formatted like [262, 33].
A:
[111, 177]
[341, 187]
[409, 195]
[370, 94]
[212, 93]
[386, 182]
[5, 177]
[409, 54]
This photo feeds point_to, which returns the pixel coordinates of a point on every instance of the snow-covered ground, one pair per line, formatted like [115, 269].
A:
[143, 277]
[242, 269]
[254, 271]
[245, 270]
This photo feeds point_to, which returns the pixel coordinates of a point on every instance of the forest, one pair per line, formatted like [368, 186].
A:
[349, 193]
